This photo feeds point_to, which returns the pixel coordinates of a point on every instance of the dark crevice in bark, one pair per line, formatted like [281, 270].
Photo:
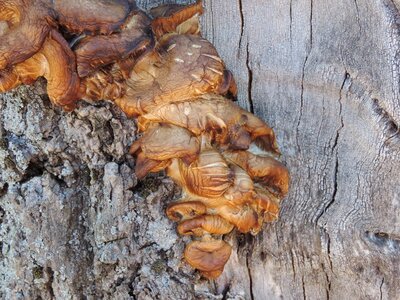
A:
[380, 288]
[328, 251]
[249, 70]
[291, 20]
[226, 291]
[335, 150]
[335, 185]
[241, 24]
[147, 246]
[328, 288]
[2, 214]
[3, 191]
[302, 77]
[250, 87]
[293, 267]
[328, 248]
[303, 285]
[311, 25]
[49, 283]
[35, 169]
[115, 240]
[250, 278]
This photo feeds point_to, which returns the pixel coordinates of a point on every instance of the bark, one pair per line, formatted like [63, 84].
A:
[75, 223]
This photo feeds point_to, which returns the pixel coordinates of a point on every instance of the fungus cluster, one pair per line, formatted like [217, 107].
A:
[157, 68]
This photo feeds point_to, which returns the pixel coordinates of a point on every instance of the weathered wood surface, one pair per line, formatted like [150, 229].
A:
[74, 222]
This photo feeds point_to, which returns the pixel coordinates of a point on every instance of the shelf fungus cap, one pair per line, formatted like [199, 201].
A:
[92, 16]
[184, 210]
[25, 26]
[134, 40]
[209, 257]
[266, 170]
[242, 189]
[56, 62]
[146, 165]
[166, 141]
[267, 205]
[208, 176]
[201, 225]
[243, 217]
[181, 19]
[226, 123]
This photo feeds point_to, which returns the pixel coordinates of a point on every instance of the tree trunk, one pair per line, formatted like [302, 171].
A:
[75, 223]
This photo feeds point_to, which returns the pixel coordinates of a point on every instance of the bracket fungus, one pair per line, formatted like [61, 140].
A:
[157, 67]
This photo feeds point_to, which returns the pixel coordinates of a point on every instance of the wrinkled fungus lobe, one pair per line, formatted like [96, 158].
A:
[158, 68]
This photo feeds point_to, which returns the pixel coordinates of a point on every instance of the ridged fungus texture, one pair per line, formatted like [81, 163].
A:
[158, 68]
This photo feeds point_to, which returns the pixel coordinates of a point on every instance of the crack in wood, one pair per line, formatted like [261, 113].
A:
[302, 77]
[335, 150]
[304, 288]
[250, 277]
[311, 25]
[250, 73]
[291, 20]
[301, 104]
[241, 23]
[49, 283]
[293, 267]
[115, 240]
[380, 288]
[328, 251]
[249, 70]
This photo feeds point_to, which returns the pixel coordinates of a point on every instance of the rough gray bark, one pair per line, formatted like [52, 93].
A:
[75, 223]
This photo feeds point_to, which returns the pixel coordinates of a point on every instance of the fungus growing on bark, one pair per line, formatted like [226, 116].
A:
[92, 16]
[193, 63]
[204, 224]
[265, 170]
[157, 68]
[184, 210]
[133, 40]
[208, 176]
[55, 62]
[172, 18]
[31, 20]
[209, 256]
[227, 124]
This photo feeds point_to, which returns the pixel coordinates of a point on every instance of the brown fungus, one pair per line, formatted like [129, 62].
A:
[166, 141]
[160, 69]
[191, 61]
[266, 170]
[209, 256]
[31, 20]
[204, 224]
[173, 18]
[92, 16]
[29, 23]
[55, 62]
[208, 176]
[183, 210]
[228, 125]
[134, 40]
